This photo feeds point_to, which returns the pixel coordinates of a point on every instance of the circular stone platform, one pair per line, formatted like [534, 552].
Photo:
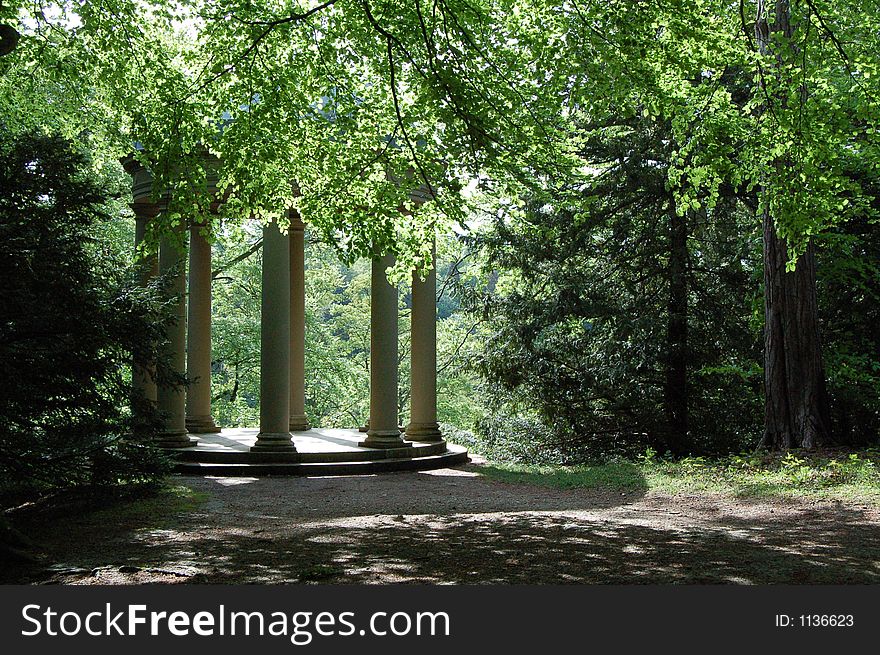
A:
[319, 451]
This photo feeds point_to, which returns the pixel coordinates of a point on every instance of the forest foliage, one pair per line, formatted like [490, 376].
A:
[71, 315]
[643, 209]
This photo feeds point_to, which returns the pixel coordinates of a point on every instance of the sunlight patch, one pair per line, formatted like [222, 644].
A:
[451, 473]
[232, 482]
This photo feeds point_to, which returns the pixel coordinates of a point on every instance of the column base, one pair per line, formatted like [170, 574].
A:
[175, 439]
[274, 442]
[299, 423]
[424, 432]
[384, 439]
[366, 428]
[201, 425]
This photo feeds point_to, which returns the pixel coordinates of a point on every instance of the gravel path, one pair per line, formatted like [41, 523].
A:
[455, 526]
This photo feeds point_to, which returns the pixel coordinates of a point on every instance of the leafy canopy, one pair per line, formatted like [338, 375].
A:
[351, 110]
[353, 104]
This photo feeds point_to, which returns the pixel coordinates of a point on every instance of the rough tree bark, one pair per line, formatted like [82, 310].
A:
[796, 402]
[796, 413]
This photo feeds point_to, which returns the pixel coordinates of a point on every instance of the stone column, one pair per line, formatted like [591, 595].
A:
[383, 431]
[298, 419]
[142, 377]
[172, 400]
[198, 338]
[275, 344]
[423, 424]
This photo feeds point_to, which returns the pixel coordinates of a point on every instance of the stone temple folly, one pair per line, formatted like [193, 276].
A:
[285, 443]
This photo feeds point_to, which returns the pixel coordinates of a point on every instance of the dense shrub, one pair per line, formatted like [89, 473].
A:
[70, 317]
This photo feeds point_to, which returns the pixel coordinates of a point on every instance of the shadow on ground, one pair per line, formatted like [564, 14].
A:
[454, 526]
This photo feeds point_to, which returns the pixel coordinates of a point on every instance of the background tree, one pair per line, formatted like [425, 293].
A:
[848, 283]
[809, 103]
[625, 325]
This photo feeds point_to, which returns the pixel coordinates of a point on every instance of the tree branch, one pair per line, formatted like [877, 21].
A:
[240, 258]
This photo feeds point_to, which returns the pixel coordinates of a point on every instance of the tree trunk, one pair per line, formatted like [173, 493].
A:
[675, 395]
[796, 411]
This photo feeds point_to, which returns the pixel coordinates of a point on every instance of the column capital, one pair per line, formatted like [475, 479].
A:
[145, 211]
[296, 221]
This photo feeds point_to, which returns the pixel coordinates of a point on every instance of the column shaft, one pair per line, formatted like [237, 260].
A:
[275, 344]
[172, 399]
[143, 382]
[383, 431]
[423, 424]
[298, 419]
[198, 350]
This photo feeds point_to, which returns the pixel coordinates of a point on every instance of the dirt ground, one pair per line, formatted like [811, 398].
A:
[455, 526]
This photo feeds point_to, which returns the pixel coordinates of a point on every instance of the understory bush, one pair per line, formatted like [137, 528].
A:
[71, 315]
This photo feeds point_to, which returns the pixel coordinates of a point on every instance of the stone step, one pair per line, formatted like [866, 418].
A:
[452, 456]
[206, 456]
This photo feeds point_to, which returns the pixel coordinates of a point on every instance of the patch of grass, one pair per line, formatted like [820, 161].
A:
[847, 476]
[830, 475]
